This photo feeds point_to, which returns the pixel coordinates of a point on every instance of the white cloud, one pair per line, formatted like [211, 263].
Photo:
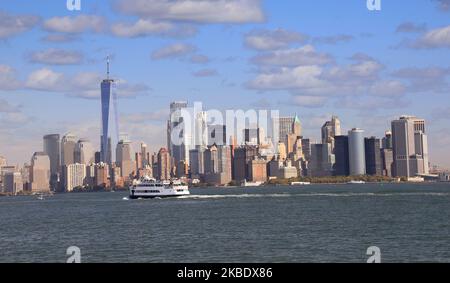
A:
[54, 56]
[199, 59]
[8, 78]
[316, 85]
[367, 69]
[85, 80]
[45, 79]
[156, 116]
[333, 39]
[11, 25]
[305, 78]
[444, 5]
[60, 37]
[145, 27]
[367, 105]
[387, 88]
[442, 113]
[426, 79]
[6, 107]
[309, 101]
[75, 24]
[436, 38]
[272, 39]
[200, 11]
[409, 27]
[172, 51]
[140, 28]
[14, 119]
[82, 85]
[302, 56]
[205, 73]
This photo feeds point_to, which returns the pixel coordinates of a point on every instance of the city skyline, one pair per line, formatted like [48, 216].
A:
[393, 63]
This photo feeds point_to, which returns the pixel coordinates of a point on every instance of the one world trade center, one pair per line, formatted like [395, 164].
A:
[109, 111]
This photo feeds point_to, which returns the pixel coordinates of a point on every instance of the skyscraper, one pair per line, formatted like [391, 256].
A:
[40, 172]
[321, 160]
[3, 161]
[342, 166]
[410, 147]
[201, 131]
[3, 171]
[177, 137]
[286, 127]
[76, 174]
[109, 103]
[145, 156]
[52, 147]
[217, 134]
[211, 160]
[242, 156]
[374, 164]
[68, 143]
[196, 163]
[388, 161]
[84, 152]
[101, 175]
[251, 136]
[257, 170]
[164, 164]
[356, 152]
[123, 158]
[387, 156]
[12, 182]
[306, 148]
[331, 129]
[217, 163]
[387, 140]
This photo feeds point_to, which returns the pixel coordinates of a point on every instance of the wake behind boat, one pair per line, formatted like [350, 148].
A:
[151, 188]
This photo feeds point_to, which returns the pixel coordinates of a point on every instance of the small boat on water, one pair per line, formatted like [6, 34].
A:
[353, 182]
[151, 188]
[300, 183]
[252, 184]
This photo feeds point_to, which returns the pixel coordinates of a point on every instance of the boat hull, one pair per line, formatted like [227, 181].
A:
[153, 197]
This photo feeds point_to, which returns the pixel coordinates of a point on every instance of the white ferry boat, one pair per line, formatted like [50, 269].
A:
[150, 188]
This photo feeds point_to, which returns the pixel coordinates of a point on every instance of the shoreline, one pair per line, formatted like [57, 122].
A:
[205, 186]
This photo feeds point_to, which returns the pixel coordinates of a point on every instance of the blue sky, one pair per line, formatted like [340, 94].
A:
[314, 58]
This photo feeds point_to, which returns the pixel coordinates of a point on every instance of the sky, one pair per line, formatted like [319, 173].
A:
[311, 58]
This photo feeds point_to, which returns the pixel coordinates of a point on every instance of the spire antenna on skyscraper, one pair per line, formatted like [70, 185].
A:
[107, 67]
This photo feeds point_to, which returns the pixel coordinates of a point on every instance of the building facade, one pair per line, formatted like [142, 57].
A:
[258, 170]
[177, 135]
[342, 165]
[52, 147]
[123, 159]
[356, 152]
[76, 174]
[164, 164]
[374, 163]
[40, 173]
[109, 117]
[410, 147]
[242, 156]
[84, 152]
[13, 183]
